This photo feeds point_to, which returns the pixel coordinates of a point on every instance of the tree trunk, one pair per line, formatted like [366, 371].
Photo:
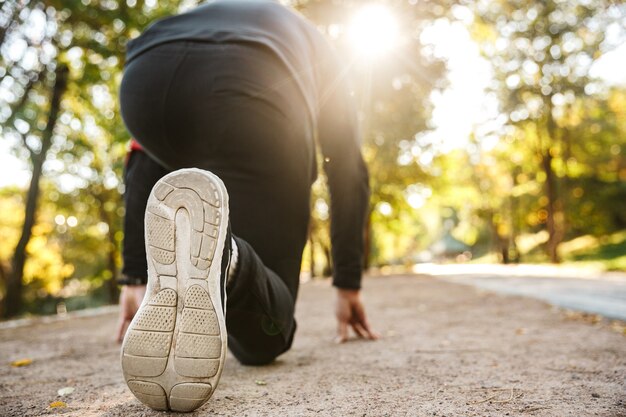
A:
[504, 251]
[499, 243]
[3, 273]
[551, 221]
[114, 292]
[311, 253]
[515, 218]
[555, 215]
[13, 297]
[112, 251]
[328, 267]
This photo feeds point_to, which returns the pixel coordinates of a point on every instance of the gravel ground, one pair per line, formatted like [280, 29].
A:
[447, 350]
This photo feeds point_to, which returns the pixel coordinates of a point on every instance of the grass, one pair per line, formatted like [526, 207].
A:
[606, 252]
[609, 251]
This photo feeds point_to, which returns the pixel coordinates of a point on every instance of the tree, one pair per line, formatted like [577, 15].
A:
[392, 92]
[541, 53]
[13, 296]
[72, 47]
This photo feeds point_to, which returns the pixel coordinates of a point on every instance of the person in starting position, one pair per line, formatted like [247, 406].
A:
[228, 103]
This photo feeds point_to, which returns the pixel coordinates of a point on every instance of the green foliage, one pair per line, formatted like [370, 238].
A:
[392, 94]
[495, 197]
[608, 250]
[83, 169]
[561, 146]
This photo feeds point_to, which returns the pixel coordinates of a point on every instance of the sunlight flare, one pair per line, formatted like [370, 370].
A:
[373, 31]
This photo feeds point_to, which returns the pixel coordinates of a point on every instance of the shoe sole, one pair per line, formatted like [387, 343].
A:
[174, 350]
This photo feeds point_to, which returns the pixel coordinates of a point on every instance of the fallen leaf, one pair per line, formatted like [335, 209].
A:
[21, 362]
[65, 391]
[260, 382]
[57, 404]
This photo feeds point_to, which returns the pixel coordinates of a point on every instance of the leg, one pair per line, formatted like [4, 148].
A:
[260, 306]
[216, 115]
[260, 311]
[139, 177]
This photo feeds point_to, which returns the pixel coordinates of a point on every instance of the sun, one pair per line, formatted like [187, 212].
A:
[373, 31]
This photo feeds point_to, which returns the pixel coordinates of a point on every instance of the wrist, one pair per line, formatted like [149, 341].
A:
[347, 290]
[347, 278]
[131, 281]
[348, 294]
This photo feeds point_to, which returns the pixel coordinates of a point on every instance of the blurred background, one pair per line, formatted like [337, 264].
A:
[495, 132]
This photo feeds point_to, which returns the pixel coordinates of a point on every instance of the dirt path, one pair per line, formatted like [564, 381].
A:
[581, 289]
[448, 350]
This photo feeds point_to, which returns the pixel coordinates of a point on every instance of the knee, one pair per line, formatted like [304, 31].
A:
[257, 359]
[262, 355]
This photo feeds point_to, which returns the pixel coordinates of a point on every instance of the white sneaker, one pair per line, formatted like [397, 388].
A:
[173, 352]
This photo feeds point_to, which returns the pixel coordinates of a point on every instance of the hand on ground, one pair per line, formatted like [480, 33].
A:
[130, 300]
[350, 311]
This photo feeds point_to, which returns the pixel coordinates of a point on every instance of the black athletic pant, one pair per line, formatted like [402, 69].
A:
[234, 110]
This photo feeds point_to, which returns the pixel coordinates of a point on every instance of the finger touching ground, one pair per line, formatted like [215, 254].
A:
[371, 333]
[367, 329]
[121, 328]
[360, 330]
[342, 332]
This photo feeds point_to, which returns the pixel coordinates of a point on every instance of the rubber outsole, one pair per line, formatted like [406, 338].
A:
[174, 350]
